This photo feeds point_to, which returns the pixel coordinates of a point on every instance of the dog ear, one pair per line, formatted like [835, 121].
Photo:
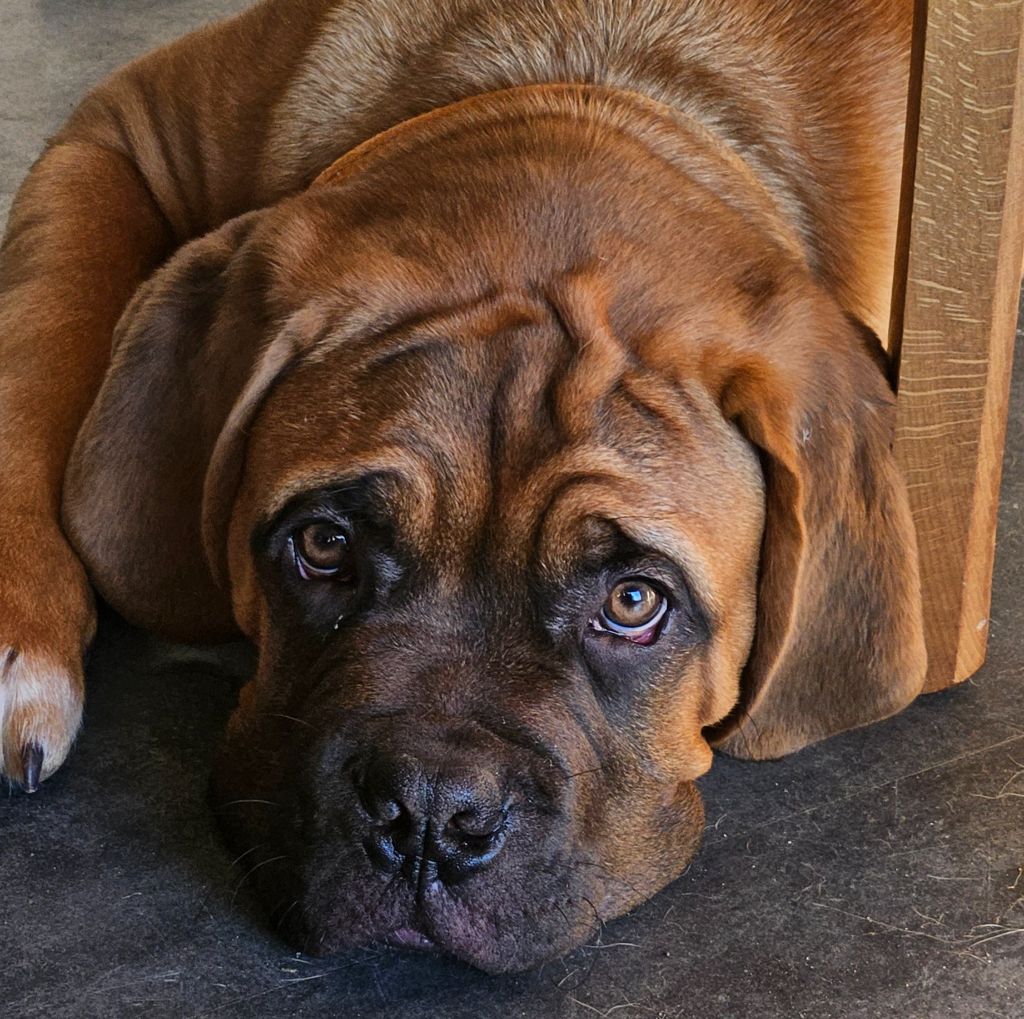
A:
[839, 640]
[190, 353]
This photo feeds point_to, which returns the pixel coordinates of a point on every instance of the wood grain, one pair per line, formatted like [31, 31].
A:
[962, 241]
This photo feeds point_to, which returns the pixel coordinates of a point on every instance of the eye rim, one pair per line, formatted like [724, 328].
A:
[307, 570]
[648, 632]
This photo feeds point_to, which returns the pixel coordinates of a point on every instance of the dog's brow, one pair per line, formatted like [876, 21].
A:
[431, 331]
[424, 348]
[602, 502]
[367, 492]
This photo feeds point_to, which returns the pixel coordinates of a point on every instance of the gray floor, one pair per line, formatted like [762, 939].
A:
[877, 875]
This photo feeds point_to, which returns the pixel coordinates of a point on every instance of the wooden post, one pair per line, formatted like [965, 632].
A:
[954, 321]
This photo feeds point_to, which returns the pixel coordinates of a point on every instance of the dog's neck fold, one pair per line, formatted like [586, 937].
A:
[675, 137]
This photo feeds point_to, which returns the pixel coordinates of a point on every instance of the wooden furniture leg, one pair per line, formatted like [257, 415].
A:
[955, 307]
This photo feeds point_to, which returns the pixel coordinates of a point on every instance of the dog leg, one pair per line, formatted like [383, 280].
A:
[83, 233]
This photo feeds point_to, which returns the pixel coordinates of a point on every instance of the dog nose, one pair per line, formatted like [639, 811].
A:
[430, 820]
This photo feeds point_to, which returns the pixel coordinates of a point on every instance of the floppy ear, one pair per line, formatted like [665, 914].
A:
[188, 349]
[838, 641]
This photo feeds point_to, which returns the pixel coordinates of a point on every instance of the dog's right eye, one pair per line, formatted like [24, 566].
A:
[321, 551]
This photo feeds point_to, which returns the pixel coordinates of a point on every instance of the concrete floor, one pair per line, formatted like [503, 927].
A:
[876, 875]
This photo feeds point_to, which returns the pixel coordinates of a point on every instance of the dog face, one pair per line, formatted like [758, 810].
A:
[501, 616]
[510, 460]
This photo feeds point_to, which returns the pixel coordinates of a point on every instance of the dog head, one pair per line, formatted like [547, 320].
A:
[535, 463]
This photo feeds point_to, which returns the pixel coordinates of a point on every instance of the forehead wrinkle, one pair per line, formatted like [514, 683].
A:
[660, 403]
[520, 523]
[559, 471]
[489, 419]
[580, 306]
[609, 444]
[522, 429]
[617, 451]
[442, 393]
[372, 334]
[576, 499]
[427, 331]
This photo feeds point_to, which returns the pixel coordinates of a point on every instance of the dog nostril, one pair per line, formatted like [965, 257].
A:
[473, 825]
[468, 843]
[381, 793]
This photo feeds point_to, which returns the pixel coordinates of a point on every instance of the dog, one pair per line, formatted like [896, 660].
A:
[508, 373]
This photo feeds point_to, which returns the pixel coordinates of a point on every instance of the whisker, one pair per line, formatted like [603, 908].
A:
[246, 876]
[610, 875]
[235, 803]
[289, 718]
[239, 859]
[280, 920]
[589, 771]
[597, 916]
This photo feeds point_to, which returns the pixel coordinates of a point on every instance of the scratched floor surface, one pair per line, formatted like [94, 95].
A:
[877, 875]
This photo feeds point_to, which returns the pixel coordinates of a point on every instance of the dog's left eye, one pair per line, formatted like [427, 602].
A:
[633, 610]
[321, 551]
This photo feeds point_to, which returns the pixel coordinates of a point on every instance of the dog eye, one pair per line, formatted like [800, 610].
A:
[634, 610]
[321, 551]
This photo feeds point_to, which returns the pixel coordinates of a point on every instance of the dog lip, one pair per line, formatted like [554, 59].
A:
[410, 937]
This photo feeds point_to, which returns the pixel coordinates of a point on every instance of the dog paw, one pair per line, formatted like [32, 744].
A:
[40, 713]
[47, 618]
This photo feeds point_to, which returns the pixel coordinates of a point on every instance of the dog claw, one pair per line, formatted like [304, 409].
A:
[31, 766]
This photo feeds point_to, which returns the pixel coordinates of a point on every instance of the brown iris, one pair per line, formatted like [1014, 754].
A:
[633, 606]
[321, 550]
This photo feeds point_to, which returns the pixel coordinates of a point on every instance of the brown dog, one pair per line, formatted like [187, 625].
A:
[534, 429]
